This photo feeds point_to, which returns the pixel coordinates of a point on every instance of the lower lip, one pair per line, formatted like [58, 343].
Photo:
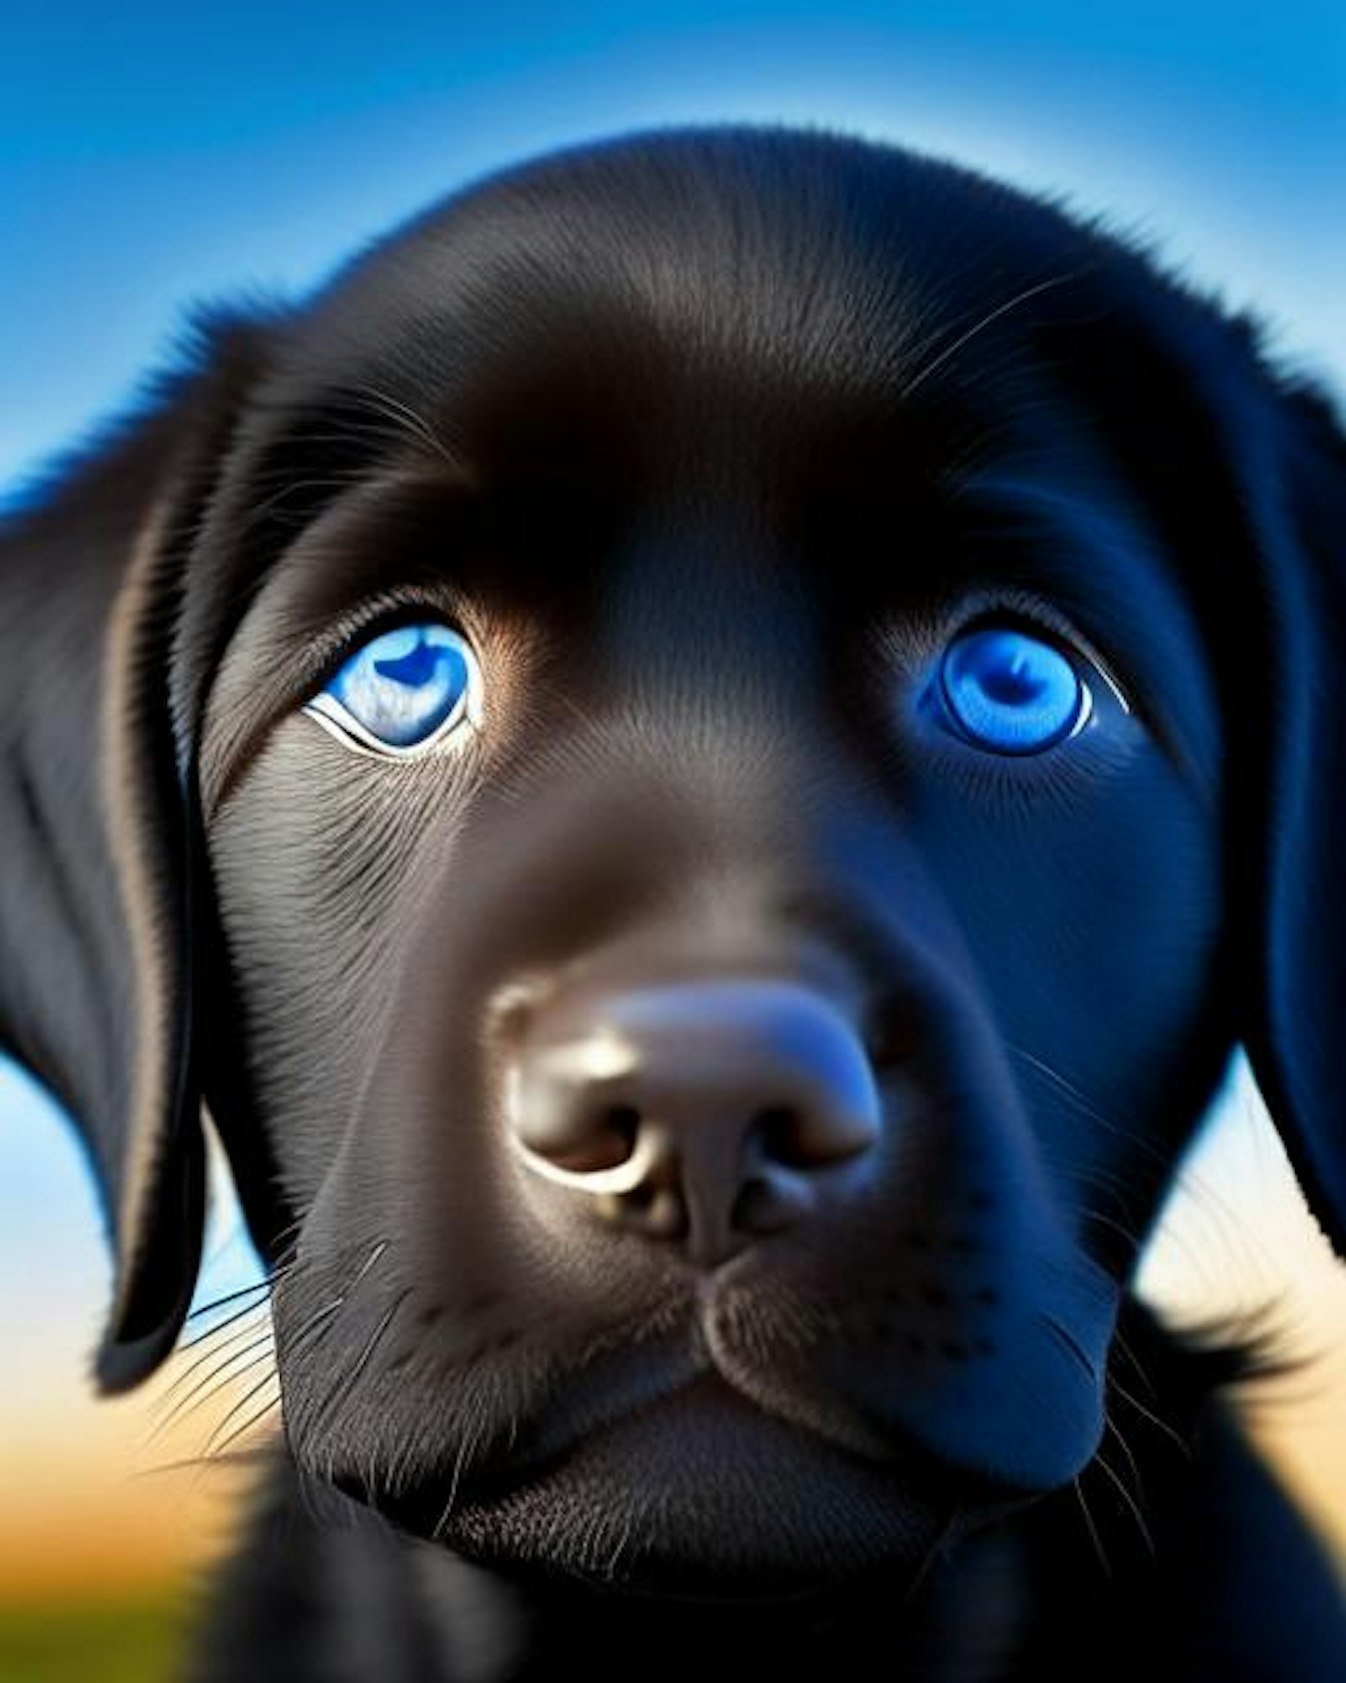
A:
[700, 1493]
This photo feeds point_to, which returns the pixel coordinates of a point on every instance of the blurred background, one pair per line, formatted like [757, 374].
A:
[153, 155]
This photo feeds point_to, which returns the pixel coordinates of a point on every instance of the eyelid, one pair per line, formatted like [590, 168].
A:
[372, 618]
[1032, 613]
[352, 735]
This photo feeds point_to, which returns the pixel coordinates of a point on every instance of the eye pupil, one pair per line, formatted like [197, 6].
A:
[1013, 685]
[399, 689]
[1010, 692]
[412, 669]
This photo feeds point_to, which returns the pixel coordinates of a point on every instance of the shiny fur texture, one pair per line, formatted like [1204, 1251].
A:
[708, 442]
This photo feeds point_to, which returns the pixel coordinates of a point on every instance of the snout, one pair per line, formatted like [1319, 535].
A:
[705, 1114]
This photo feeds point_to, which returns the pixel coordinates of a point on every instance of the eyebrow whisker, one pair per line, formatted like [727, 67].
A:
[991, 316]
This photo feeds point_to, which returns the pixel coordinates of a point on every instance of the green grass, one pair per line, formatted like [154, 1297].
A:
[138, 1640]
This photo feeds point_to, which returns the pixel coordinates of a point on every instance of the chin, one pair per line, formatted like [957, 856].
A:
[699, 1495]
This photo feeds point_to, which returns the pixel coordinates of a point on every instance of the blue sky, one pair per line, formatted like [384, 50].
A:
[151, 155]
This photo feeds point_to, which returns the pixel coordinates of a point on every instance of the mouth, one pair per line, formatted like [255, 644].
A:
[700, 1493]
[665, 1476]
[708, 1449]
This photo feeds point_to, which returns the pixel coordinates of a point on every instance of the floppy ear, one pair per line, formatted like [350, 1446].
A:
[1295, 986]
[96, 828]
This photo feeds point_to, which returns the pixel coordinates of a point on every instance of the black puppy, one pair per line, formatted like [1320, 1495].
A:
[702, 761]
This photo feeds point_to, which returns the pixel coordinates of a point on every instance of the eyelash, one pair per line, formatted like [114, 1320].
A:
[1027, 612]
[371, 619]
[918, 645]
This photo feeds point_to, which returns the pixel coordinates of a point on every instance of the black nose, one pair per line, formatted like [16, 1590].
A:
[707, 1113]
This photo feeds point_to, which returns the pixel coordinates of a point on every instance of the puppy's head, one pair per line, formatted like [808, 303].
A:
[703, 759]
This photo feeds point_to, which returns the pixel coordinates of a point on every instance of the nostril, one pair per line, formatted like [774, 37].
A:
[607, 1144]
[780, 1132]
[800, 1137]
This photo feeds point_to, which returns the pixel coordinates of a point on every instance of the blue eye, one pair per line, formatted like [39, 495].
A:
[401, 690]
[1011, 693]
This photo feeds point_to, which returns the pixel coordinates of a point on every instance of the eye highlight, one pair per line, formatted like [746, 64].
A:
[1009, 692]
[402, 691]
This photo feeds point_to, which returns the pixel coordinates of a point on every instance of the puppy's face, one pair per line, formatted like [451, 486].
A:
[710, 786]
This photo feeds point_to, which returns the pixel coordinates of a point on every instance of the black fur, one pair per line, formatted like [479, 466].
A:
[708, 442]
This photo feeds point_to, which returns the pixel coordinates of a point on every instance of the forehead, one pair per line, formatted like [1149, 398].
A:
[697, 355]
[684, 319]
[685, 282]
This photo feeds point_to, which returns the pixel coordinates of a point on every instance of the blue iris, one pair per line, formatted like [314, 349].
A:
[400, 687]
[1009, 692]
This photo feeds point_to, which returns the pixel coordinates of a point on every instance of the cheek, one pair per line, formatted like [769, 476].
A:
[315, 862]
[1095, 932]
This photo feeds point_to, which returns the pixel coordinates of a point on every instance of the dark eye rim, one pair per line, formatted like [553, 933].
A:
[326, 711]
